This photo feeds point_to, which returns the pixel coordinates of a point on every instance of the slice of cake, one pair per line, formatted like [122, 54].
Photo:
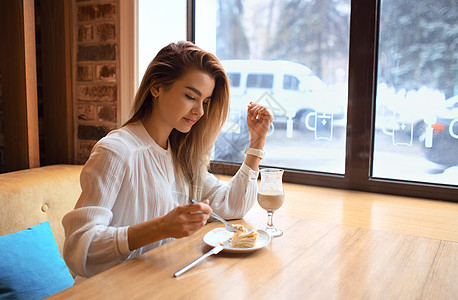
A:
[244, 239]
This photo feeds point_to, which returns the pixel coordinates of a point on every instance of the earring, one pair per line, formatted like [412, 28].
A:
[153, 93]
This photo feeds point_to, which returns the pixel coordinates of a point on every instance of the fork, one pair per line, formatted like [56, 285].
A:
[226, 225]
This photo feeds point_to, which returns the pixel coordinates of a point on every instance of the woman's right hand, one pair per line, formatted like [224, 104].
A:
[184, 220]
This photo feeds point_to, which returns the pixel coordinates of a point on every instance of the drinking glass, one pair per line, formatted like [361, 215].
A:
[271, 196]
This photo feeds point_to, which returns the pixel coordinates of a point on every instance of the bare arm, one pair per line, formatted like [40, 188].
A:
[183, 220]
[258, 121]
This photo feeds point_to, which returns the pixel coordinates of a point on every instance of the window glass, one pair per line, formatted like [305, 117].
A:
[416, 128]
[234, 79]
[292, 57]
[153, 34]
[290, 83]
[260, 81]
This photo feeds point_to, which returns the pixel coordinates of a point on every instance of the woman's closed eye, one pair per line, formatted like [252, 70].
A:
[190, 97]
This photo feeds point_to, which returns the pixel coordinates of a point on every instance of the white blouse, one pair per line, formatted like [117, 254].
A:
[127, 180]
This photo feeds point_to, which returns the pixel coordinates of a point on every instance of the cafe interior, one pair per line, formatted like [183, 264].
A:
[68, 75]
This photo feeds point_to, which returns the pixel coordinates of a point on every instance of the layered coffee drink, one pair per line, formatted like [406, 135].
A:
[271, 202]
[271, 196]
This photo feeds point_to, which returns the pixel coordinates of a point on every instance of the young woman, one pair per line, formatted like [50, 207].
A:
[139, 180]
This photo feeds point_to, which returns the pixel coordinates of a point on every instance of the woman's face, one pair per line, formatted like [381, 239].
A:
[182, 104]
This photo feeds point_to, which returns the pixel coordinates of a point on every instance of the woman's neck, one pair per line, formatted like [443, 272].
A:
[158, 134]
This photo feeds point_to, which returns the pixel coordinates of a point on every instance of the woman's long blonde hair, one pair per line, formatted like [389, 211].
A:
[191, 150]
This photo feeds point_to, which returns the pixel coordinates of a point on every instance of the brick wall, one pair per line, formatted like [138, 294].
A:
[96, 65]
[95, 81]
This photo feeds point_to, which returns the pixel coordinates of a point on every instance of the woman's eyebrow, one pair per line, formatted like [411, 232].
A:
[194, 90]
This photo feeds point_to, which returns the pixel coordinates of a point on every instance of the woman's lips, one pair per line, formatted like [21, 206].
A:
[190, 121]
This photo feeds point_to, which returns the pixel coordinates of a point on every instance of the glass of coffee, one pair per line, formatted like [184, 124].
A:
[271, 196]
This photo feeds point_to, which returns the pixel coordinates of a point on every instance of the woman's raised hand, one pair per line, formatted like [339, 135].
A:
[184, 220]
[258, 121]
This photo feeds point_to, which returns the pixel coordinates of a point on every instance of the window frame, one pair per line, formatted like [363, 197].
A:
[128, 57]
[362, 79]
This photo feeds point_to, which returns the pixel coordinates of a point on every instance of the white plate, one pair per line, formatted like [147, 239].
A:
[220, 234]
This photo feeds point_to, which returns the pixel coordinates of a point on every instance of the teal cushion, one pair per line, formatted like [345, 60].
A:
[31, 266]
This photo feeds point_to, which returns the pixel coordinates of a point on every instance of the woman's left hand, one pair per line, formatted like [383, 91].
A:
[258, 121]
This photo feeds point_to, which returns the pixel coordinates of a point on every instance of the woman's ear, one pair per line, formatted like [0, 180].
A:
[154, 91]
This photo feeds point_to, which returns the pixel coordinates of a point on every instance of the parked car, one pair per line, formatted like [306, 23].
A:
[402, 114]
[290, 90]
[441, 139]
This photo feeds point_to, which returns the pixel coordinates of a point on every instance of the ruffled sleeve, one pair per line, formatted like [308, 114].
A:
[233, 199]
[91, 245]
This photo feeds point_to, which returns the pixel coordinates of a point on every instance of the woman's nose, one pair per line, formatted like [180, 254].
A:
[198, 109]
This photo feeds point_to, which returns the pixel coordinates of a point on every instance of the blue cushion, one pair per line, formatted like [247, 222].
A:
[31, 266]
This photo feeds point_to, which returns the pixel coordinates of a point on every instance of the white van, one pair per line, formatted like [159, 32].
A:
[290, 90]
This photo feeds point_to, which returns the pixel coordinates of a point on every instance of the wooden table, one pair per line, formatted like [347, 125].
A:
[313, 260]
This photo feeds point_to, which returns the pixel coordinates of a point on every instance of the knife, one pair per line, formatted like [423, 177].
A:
[215, 250]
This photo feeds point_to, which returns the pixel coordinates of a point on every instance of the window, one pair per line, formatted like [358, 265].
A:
[362, 131]
[152, 31]
[234, 79]
[292, 57]
[290, 82]
[262, 81]
[416, 116]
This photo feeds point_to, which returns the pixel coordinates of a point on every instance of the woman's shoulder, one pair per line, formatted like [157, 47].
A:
[122, 140]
